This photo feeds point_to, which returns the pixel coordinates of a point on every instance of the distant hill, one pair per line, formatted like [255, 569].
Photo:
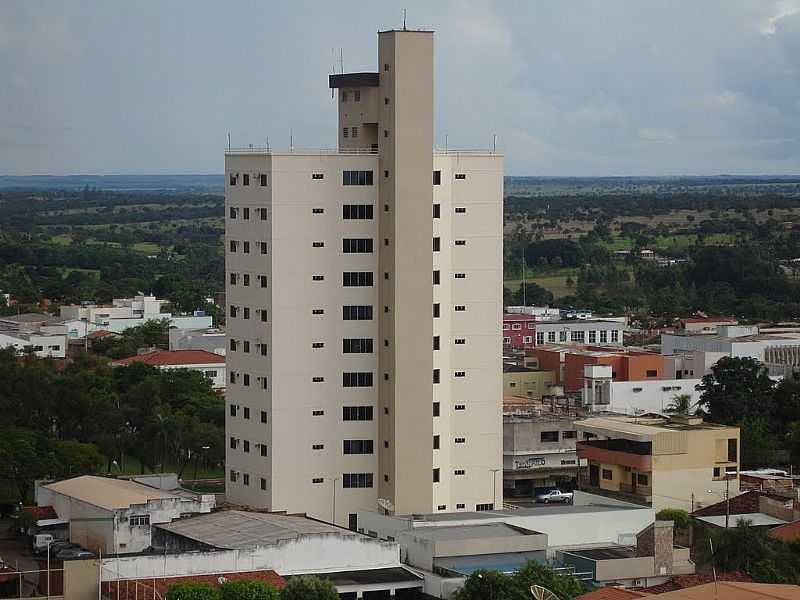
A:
[121, 183]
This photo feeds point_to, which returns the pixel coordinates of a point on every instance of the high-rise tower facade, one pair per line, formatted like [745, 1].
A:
[364, 302]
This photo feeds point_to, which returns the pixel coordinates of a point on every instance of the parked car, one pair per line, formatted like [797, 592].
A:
[73, 553]
[40, 542]
[57, 547]
[554, 496]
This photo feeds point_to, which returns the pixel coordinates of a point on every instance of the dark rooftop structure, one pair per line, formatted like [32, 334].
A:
[343, 80]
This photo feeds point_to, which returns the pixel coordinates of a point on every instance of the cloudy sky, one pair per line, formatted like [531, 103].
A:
[585, 87]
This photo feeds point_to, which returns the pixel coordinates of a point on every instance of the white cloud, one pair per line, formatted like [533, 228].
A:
[649, 134]
[783, 9]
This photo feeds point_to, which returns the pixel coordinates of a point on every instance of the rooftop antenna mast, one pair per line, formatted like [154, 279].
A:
[229, 141]
[341, 60]
[404, 19]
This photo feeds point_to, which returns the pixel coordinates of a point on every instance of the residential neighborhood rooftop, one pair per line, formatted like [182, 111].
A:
[174, 358]
[106, 492]
[231, 529]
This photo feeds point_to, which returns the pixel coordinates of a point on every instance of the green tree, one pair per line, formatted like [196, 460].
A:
[563, 585]
[736, 388]
[24, 457]
[681, 404]
[680, 518]
[308, 587]
[192, 591]
[248, 590]
[72, 458]
[758, 444]
[487, 585]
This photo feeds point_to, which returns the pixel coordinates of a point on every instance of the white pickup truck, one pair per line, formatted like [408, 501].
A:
[554, 496]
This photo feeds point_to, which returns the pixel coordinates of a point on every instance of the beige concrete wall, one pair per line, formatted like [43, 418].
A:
[533, 384]
[81, 579]
[407, 325]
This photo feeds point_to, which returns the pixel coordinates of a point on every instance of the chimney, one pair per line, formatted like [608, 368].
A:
[656, 540]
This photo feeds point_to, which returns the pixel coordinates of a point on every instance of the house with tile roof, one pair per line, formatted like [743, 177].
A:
[211, 365]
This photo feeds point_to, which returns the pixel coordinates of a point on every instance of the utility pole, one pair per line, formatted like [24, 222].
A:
[727, 500]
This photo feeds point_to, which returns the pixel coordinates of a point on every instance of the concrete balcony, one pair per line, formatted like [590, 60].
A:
[593, 452]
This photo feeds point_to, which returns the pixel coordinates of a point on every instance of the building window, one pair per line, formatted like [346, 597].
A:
[569, 435]
[539, 337]
[531, 326]
[317, 446]
[356, 177]
[733, 450]
[607, 474]
[459, 341]
[317, 413]
[460, 374]
[484, 507]
[246, 179]
[247, 446]
[246, 279]
[263, 213]
[460, 275]
[317, 344]
[651, 373]
[437, 211]
[614, 336]
[437, 178]
[246, 311]
[460, 407]
[436, 342]
[436, 277]
[317, 211]
[317, 278]
[641, 479]
[562, 336]
[603, 336]
[354, 132]
[357, 245]
[357, 379]
[460, 210]
[437, 376]
[437, 409]
[549, 436]
[246, 412]
[233, 410]
[437, 244]
[461, 175]
[442, 507]
[317, 379]
[356, 413]
[317, 480]
[592, 337]
[232, 179]
[551, 336]
[263, 416]
[139, 520]
[357, 211]
[357, 480]
[507, 341]
[436, 310]
[246, 213]
[386, 102]
[263, 484]
[246, 379]
[344, 96]
[345, 132]
[263, 246]
[357, 446]
[357, 279]
[357, 312]
[246, 247]
[436, 442]
[459, 472]
[233, 211]
[459, 440]
[357, 346]
[234, 245]
[516, 326]
[436, 475]
[263, 180]
[459, 505]
[263, 448]
[460, 308]
[461, 242]
[317, 176]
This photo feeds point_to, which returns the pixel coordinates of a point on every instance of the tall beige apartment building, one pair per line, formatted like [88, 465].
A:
[364, 308]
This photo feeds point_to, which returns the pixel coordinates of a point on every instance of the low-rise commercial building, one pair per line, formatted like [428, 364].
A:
[523, 381]
[652, 560]
[115, 516]
[538, 452]
[706, 325]
[665, 463]
[580, 331]
[737, 341]
[32, 333]
[627, 364]
[211, 365]
[601, 393]
[518, 331]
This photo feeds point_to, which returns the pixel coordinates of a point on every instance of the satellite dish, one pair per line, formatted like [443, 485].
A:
[542, 593]
[386, 504]
[222, 580]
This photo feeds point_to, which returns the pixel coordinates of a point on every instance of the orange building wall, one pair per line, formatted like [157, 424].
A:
[574, 364]
[549, 360]
[636, 366]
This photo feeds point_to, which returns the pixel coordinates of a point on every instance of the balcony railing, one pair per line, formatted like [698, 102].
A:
[255, 149]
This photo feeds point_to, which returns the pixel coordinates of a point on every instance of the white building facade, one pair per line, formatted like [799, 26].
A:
[363, 292]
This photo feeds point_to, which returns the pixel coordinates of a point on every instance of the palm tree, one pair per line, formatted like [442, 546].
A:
[681, 405]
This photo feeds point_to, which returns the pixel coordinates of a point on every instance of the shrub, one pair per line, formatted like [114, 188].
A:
[679, 517]
[309, 588]
[248, 590]
[192, 591]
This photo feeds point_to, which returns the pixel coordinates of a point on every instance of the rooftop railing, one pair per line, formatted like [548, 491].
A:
[265, 149]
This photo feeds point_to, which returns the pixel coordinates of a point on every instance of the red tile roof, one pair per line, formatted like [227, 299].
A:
[100, 333]
[743, 504]
[140, 588]
[174, 358]
[786, 533]
[612, 593]
[681, 582]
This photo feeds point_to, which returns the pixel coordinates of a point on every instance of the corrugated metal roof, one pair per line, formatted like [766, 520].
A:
[232, 529]
[107, 493]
